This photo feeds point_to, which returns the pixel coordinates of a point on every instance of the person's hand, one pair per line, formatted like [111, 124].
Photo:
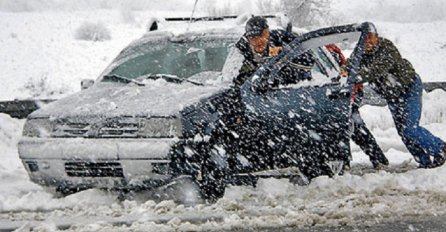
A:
[275, 51]
[343, 72]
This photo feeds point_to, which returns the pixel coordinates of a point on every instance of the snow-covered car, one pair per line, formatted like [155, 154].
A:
[159, 111]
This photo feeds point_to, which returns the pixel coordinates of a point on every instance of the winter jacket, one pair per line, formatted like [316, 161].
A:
[298, 69]
[387, 72]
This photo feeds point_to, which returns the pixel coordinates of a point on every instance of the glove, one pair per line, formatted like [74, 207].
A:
[343, 72]
[275, 51]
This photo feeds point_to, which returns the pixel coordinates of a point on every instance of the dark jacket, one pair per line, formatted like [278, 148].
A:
[387, 72]
[298, 69]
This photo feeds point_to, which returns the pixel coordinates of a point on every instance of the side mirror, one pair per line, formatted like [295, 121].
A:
[153, 26]
[289, 27]
[86, 83]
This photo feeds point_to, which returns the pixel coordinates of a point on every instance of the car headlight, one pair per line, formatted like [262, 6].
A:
[161, 127]
[38, 128]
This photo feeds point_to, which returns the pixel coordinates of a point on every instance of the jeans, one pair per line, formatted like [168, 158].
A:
[406, 113]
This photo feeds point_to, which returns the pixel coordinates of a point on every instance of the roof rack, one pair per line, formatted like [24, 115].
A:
[210, 18]
[153, 25]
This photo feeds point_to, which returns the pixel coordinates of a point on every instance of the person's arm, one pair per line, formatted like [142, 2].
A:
[280, 37]
[298, 69]
[304, 62]
[243, 46]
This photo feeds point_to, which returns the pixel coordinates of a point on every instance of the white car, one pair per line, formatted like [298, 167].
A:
[157, 113]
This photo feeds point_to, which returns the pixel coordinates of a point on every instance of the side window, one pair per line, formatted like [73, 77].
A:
[325, 68]
[316, 67]
[324, 65]
[330, 63]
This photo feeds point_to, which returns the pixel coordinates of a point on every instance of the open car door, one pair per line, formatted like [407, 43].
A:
[313, 117]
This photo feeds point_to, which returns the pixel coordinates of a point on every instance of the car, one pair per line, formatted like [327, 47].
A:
[164, 109]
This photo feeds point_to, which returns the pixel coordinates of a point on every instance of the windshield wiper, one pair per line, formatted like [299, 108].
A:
[168, 77]
[122, 79]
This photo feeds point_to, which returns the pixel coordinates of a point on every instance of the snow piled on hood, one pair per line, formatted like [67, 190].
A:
[157, 98]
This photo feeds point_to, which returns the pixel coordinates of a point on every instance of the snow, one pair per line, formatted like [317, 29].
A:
[166, 99]
[39, 46]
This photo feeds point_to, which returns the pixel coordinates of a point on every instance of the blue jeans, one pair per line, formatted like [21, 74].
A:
[406, 113]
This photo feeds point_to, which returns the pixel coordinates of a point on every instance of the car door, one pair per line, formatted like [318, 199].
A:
[311, 117]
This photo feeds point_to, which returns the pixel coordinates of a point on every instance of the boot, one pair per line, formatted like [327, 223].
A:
[440, 159]
[379, 162]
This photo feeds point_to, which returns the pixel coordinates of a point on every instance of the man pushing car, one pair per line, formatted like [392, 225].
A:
[395, 79]
[259, 44]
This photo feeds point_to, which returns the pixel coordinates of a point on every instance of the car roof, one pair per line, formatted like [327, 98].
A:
[215, 27]
[227, 28]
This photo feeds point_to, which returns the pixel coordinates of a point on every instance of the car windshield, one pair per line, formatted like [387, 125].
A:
[174, 59]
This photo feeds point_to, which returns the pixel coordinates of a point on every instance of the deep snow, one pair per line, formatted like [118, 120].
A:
[41, 46]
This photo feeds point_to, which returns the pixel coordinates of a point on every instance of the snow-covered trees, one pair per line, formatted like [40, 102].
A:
[308, 13]
[303, 13]
[92, 31]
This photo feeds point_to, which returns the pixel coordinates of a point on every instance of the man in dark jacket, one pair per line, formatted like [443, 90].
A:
[395, 79]
[259, 44]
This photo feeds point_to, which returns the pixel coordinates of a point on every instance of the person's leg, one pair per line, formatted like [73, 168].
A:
[406, 114]
[365, 140]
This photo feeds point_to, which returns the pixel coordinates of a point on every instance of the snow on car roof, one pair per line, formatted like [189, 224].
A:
[224, 25]
[232, 28]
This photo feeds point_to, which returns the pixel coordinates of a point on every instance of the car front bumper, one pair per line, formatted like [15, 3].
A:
[103, 163]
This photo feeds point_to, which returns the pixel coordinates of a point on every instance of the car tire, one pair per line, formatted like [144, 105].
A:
[201, 167]
[213, 182]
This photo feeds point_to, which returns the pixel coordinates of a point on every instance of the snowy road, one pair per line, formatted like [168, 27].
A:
[432, 224]
[359, 199]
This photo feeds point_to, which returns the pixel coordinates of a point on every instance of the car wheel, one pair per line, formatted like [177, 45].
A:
[204, 166]
[212, 184]
[213, 178]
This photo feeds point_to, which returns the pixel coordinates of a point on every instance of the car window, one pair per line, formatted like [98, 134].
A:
[325, 68]
[328, 61]
[177, 58]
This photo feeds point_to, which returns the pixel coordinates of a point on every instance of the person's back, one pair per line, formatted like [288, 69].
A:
[389, 73]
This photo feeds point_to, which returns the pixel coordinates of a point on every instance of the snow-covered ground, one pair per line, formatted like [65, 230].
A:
[38, 49]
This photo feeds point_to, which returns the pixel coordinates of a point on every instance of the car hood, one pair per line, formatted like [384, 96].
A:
[160, 98]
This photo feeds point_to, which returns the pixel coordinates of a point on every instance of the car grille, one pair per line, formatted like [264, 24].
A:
[94, 169]
[75, 129]
[129, 130]
[120, 127]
